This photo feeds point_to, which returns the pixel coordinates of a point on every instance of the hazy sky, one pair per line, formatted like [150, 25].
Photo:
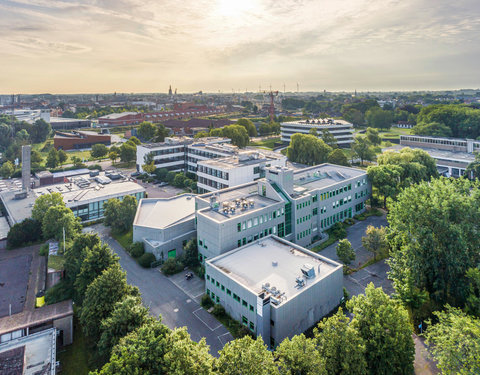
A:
[143, 45]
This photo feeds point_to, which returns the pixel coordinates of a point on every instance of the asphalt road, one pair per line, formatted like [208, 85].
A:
[164, 298]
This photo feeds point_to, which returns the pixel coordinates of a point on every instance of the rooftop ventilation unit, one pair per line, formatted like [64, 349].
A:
[308, 271]
[300, 282]
[274, 263]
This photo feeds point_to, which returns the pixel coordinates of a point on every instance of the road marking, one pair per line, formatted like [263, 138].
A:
[175, 310]
[210, 328]
[189, 300]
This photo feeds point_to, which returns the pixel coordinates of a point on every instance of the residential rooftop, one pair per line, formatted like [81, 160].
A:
[163, 212]
[273, 266]
[242, 159]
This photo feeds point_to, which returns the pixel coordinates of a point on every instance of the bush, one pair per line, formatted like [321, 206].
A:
[349, 221]
[146, 260]
[136, 249]
[95, 167]
[338, 230]
[218, 310]
[60, 292]
[43, 250]
[28, 231]
[172, 266]
[206, 302]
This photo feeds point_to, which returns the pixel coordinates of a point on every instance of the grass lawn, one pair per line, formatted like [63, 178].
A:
[124, 239]
[266, 143]
[56, 262]
[74, 358]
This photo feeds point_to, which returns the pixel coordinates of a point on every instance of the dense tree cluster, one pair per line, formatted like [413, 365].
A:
[397, 170]
[459, 121]
[238, 134]
[119, 215]
[310, 150]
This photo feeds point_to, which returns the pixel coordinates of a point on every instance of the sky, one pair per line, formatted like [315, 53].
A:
[97, 46]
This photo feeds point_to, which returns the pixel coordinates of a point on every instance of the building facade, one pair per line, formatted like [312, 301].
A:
[78, 140]
[241, 168]
[274, 288]
[296, 205]
[340, 129]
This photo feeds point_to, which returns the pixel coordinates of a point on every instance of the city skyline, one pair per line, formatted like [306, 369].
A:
[220, 45]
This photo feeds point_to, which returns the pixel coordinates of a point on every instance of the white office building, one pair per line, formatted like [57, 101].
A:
[340, 129]
[274, 288]
[241, 168]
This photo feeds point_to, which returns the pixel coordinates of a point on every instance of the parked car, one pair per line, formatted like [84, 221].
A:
[94, 173]
[135, 174]
[162, 184]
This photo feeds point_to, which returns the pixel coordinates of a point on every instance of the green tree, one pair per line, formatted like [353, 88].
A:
[299, 356]
[362, 148]
[375, 241]
[201, 134]
[36, 158]
[149, 168]
[313, 131]
[22, 136]
[140, 352]
[96, 260]
[433, 239]
[473, 169]
[354, 116]
[44, 202]
[161, 173]
[338, 157]
[432, 129]
[341, 346]
[52, 159]
[119, 215]
[62, 156]
[7, 169]
[249, 126]
[329, 139]
[345, 251]
[98, 151]
[134, 141]
[56, 220]
[75, 255]
[101, 296]
[113, 156]
[379, 118]
[237, 134]
[40, 131]
[246, 356]
[472, 305]
[455, 342]
[161, 133]
[386, 179]
[384, 326]
[191, 253]
[216, 132]
[77, 162]
[308, 149]
[127, 315]
[128, 152]
[27, 231]
[373, 136]
[146, 130]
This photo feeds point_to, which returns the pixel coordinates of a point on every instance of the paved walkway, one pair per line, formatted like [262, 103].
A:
[165, 298]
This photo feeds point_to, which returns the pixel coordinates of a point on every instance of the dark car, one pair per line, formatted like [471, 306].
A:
[135, 174]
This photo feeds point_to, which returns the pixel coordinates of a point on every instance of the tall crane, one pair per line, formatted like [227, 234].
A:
[271, 110]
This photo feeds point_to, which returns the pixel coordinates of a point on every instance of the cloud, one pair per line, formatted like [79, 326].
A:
[217, 44]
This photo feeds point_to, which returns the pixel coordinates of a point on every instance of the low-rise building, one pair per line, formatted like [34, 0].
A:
[182, 154]
[453, 155]
[274, 288]
[240, 168]
[77, 140]
[340, 129]
[297, 205]
[165, 225]
[62, 123]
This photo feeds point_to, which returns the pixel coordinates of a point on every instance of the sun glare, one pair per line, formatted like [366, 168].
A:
[232, 8]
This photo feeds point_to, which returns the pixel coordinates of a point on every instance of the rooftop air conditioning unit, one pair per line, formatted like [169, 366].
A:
[300, 282]
[308, 271]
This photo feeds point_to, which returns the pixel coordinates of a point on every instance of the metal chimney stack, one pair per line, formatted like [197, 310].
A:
[26, 170]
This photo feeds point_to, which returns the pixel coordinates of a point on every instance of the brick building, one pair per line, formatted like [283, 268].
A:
[79, 140]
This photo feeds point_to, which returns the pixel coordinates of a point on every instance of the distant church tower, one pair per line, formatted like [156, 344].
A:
[170, 90]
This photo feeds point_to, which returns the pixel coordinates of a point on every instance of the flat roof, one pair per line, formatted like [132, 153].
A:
[317, 122]
[273, 263]
[66, 119]
[323, 175]
[113, 116]
[17, 209]
[29, 355]
[14, 275]
[242, 159]
[164, 212]
[455, 156]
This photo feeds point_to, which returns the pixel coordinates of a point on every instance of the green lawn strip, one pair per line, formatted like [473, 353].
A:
[124, 239]
[74, 358]
[267, 143]
[56, 262]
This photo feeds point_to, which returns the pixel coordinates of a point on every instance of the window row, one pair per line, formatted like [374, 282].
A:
[339, 216]
[253, 222]
[362, 193]
[264, 233]
[303, 234]
[214, 184]
[213, 172]
[303, 204]
[228, 292]
[341, 202]
[304, 219]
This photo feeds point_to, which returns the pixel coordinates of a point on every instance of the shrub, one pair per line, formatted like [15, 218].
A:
[349, 221]
[338, 230]
[28, 231]
[95, 166]
[172, 266]
[136, 249]
[43, 250]
[146, 260]
[206, 301]
[59, 292]
[218, 310]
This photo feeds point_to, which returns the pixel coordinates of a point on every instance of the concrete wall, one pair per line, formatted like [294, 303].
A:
[161, 250]
[66, 326]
